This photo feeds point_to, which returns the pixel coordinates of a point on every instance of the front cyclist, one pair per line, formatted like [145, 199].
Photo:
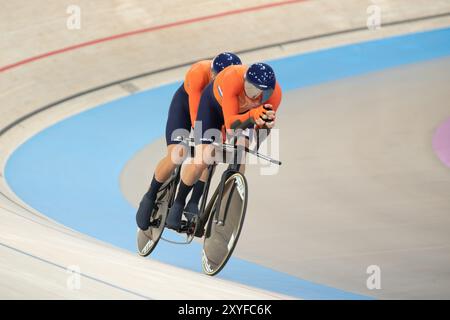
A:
[237, 93]
[182, 114]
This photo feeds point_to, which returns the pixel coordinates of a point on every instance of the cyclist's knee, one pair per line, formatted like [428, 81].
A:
[176, 154]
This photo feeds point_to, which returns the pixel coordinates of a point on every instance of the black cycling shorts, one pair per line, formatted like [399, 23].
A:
[209, 116]
[179, 116]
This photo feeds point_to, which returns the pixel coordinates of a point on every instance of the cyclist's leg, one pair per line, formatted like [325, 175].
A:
[197, 192]
[210, 118]
[178, 124]
[175, 156]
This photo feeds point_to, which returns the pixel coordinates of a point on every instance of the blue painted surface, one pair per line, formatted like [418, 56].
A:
[352, 60]
[70, 171]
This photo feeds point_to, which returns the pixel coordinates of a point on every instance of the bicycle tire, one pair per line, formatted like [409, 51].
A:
[219, 243]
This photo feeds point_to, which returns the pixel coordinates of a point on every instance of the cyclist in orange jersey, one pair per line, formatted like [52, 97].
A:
[237, 93]
[181, 118]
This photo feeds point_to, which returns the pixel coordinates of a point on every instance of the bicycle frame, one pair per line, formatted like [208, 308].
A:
[232, 168]
[206, 192]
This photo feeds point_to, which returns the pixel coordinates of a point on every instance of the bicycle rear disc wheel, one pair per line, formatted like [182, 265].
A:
[220, 240]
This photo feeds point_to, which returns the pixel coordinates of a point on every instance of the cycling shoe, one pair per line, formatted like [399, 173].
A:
[145, 210]
[173, 220]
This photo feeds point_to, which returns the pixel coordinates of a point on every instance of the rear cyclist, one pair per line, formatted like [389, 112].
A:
[182, 115]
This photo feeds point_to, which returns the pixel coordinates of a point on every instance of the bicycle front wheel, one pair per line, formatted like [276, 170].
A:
[221, 239]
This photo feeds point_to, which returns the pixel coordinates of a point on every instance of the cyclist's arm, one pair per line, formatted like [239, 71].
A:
[195, 82]
[231, 89]
[230, 104]
[194, 100]
[275, 101]
[230, 110]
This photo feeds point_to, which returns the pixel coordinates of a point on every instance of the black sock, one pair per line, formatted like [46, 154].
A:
[154, 188]
[183, 191]
[197, 192]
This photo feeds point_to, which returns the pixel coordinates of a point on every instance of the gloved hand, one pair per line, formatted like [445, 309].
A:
[264, 116]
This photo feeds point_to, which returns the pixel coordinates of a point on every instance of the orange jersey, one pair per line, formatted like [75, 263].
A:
[196, 79]
[229, 93]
